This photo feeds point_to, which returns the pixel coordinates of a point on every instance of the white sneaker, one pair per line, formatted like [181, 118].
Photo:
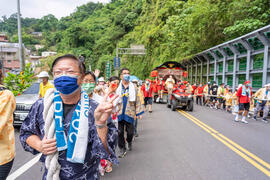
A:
[236, 119]
[244, 121]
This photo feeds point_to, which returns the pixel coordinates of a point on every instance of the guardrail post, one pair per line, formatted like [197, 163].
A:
[266, 44]
[207, 67]
[235, 52]
[201, 75]
[215, 65]
[249, 49]
[224, 63]
[191, 74]
[196, 77]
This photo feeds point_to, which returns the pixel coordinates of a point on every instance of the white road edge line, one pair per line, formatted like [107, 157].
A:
[24, 168]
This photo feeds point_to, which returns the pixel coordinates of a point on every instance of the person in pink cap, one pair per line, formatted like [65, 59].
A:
[244, 94]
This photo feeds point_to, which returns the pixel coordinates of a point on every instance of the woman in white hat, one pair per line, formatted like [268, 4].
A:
[100, 88]
[45, 84]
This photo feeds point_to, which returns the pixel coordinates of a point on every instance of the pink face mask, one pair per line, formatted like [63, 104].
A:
[114, 86]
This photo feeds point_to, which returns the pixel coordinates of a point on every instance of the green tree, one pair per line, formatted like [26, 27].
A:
[169, 29]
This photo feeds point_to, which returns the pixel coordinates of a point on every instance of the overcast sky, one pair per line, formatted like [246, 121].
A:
[39, 8]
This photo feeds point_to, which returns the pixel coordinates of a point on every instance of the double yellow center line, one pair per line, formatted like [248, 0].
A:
[248, 156]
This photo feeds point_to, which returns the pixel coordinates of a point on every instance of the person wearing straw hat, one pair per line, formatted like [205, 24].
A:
[263, 97]
[45, 84]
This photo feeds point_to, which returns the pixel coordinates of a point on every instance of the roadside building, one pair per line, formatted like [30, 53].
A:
[37, 34]
[48, 53]
[3, 37]
[9, 56]
[34, 60]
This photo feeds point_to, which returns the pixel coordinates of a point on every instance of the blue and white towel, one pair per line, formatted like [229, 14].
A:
[244, 91]
[76, 143]
[131, 91]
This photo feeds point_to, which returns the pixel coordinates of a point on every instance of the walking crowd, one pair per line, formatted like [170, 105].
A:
[241, 102]
[78, 122]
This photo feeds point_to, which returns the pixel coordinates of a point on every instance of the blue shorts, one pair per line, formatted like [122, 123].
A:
[147, 100]
[244, 106]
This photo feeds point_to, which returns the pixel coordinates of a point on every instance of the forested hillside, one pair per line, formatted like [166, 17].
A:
[169, 29]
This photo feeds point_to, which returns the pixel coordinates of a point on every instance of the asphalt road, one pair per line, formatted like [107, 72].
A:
[21, 158]
[173, 147]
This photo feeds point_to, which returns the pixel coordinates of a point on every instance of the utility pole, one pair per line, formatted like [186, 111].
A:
[1, 60]
[20, 36]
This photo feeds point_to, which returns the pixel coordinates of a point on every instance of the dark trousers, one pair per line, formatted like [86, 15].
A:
[5, 169]
[122, 125]
[135, 125]
[199, 100]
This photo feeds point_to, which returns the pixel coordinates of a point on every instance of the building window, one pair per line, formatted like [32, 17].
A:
[204, 70]
[241, 78]
[220, 67]
[219, 80]
[242, 64]
[212, 69]
[211, 78]
[230, 66]
[257, 80]
[258, 61]
[204, 80]
[230, 80]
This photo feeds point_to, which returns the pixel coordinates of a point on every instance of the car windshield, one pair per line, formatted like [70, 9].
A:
[33, 89]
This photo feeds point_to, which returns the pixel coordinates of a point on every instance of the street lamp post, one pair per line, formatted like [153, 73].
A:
[1, 60]
[20, 36]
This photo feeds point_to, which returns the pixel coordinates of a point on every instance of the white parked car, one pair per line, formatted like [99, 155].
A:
[24, 102]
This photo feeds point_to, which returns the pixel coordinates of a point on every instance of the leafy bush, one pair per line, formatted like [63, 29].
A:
[17, 83]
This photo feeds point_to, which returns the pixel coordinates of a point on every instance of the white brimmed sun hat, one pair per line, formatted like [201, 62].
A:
[43, 74]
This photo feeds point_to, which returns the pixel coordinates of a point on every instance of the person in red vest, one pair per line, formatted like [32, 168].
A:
[199, 94]
[183, 85]
[194, 87]
[154, 84]
[160, 88]
[244, 95]
[147, 89]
